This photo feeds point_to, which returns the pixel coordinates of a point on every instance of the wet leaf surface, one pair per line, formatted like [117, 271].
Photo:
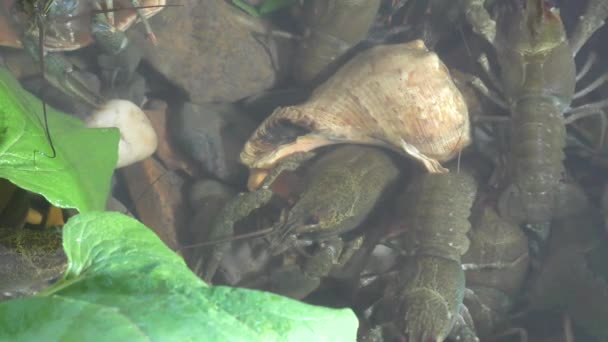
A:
[123, 281]
[73, 179]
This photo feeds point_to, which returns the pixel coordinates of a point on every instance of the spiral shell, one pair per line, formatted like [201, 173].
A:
[398, 96]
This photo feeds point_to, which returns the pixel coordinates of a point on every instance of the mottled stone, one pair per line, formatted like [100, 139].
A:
[213, 51]
[213, 135]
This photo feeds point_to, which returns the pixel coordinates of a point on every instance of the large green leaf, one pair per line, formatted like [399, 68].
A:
[79, 176]
[121, 275]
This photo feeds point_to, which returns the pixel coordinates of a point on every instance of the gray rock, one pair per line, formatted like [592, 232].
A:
[213, 135]
[213, 51]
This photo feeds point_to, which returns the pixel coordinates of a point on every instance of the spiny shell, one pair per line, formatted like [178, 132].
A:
[398, 96]
[125, 17]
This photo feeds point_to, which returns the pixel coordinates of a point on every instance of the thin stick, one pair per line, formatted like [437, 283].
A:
[41, 36]
[257, 233]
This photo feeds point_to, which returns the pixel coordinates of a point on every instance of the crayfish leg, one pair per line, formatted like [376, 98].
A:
[570, 200]
[464, 328]
[595, 15]
[145, 21]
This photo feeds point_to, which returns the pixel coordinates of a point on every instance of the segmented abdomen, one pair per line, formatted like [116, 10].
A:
[538, 138]
[436, 216]
[496, 266]
[436, 211]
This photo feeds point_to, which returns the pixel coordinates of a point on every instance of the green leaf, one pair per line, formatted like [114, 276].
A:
[270, 6]
[120, 272]
[72, 320]
[251, 10]
[79, 176]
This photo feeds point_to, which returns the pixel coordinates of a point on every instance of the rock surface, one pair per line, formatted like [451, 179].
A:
[213, 51]
[213, 135]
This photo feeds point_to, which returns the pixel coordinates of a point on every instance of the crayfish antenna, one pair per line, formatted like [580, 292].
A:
[110, 15]
[145, 21]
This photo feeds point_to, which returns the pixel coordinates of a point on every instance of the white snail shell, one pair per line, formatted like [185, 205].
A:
[138, 139]
[398, 96]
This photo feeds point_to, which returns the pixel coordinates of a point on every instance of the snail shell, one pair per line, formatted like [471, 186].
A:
[397, 96]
